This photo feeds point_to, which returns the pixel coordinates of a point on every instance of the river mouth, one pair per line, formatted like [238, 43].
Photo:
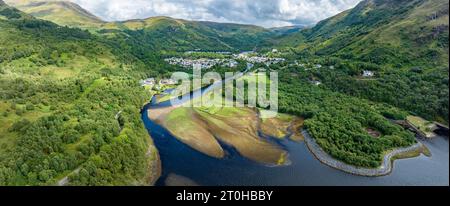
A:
[182, 161]
[186, 164]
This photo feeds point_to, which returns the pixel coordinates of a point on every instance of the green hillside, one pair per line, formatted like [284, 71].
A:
[70, 99]
[184, 35]
[61, 91]
[64, 13]
[397, 33]
[190, 35]
[404, 42]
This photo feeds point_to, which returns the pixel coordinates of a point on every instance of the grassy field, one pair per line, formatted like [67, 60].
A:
[422, 124]
[12, 114]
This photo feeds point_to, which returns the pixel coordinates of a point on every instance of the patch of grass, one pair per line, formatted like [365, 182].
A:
[96, 84]
[412, 154]
[179, 114]
[9, 117]
[421, 124]
[275, 126]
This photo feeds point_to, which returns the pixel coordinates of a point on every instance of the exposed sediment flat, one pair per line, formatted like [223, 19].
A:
[238, 127]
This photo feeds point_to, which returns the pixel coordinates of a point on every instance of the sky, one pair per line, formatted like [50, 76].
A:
[266, 13]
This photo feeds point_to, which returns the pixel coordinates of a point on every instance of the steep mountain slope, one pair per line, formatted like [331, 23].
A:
[164, 33]
[404, 42]
[161, 33]
[70, 107]
[387, 32]
[286, 30]
[60, 12]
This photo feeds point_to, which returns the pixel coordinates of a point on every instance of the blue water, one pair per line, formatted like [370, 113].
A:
[305, 170]
[235, 170]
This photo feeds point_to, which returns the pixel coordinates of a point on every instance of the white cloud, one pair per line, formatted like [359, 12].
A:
[268, 13]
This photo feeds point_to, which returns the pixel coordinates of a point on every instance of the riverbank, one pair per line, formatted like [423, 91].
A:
[305, 170]
[154, 165]
[384, 169]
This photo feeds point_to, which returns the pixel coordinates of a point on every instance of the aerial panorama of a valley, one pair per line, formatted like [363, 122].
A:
[221, 93]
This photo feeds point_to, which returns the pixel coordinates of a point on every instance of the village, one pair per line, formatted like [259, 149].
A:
[203, 62]
[255, 58]
[231, 60]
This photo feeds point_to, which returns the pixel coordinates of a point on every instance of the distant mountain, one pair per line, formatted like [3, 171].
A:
[60, 12]
[161, 33]
[165, 33]
[389, 32]
[287, 29]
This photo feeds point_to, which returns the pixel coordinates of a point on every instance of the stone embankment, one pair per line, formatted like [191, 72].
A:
[383, 170]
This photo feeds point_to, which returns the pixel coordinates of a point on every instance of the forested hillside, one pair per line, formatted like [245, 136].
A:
[404, 42]
[340, 123]
[164, 33]
[70, 97]
[160, 33]
[386, 32]
[70, 107]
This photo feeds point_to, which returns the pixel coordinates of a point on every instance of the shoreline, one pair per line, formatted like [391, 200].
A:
[154, 167]
[383, 170]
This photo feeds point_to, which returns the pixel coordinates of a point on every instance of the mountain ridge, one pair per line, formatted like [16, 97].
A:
[394, 31]
[404, 43]
[64, 13]
[185, 34]
[24, 4]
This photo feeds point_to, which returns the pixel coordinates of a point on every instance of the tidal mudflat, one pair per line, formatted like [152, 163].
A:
[239, 146]
[204, 129]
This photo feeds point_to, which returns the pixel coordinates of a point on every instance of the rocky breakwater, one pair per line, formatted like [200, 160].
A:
[384, 169]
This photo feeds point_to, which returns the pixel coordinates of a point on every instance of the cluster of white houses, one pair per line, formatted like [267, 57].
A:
[264, 60]
[367, 73]
[204, 63]
[250, 57]
[253, 57]
[152, 82]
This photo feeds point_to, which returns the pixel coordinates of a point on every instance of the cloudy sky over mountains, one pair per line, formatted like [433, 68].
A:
[268, 13]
